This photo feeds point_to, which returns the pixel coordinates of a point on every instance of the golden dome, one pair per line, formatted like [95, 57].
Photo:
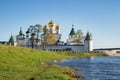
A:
[45, 29]
[51, 24]
[57, 27]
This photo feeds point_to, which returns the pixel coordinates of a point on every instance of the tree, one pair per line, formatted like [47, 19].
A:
[79, 35]
[36, 30]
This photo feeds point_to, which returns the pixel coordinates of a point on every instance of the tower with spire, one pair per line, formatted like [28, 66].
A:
[77, 39]
[72, 32]
[11, 41]
[88, 42]
[74, 38]
[20, 38]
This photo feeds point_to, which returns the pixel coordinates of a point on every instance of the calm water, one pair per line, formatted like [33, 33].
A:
[97, 68]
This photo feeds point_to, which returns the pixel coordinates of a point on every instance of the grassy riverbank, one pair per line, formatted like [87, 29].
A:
[18, 63]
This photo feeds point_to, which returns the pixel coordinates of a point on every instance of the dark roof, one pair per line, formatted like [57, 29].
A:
[3, 42]
[20, 33]
[27, 31]
[72, 31]
[11, 40]
[32, 34]
[88, 36]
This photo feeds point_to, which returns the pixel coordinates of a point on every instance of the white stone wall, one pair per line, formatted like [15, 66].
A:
[86, 46]
[63, 47]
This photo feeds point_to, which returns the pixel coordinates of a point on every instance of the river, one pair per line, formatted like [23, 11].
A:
[95, 68]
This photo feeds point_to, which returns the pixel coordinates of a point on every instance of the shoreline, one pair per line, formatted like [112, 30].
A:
[112, 54]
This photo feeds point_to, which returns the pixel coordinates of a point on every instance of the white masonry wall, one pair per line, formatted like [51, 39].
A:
[63, 47]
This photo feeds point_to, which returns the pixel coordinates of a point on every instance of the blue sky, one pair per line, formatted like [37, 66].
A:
[100, 17]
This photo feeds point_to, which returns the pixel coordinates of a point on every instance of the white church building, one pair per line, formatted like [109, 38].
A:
[51, 39]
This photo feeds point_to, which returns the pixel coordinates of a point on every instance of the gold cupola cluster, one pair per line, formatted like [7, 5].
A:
[51, 25]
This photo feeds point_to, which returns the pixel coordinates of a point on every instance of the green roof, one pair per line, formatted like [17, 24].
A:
[88, 36]
[11, 40]
[72, 31]
[20, 33]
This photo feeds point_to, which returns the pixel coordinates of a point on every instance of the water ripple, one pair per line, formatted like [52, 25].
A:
[98, 68]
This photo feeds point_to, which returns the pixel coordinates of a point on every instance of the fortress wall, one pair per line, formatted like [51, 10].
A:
[65, 47]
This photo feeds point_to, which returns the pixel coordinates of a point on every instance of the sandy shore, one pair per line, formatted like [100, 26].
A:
[112, 54]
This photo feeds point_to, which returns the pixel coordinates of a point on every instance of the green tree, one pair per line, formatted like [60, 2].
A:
[79, 35]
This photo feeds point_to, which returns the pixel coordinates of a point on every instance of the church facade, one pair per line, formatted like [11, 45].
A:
[51, 39]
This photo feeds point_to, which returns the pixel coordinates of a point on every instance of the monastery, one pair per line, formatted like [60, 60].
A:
[50, 38]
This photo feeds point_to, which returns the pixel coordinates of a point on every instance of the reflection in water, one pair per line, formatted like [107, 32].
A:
[96, 68]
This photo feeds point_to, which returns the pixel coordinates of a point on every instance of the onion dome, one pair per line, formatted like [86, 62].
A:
[27, 32]
[51, 24]
[33, 34]
[57, 27]
[45, 29]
